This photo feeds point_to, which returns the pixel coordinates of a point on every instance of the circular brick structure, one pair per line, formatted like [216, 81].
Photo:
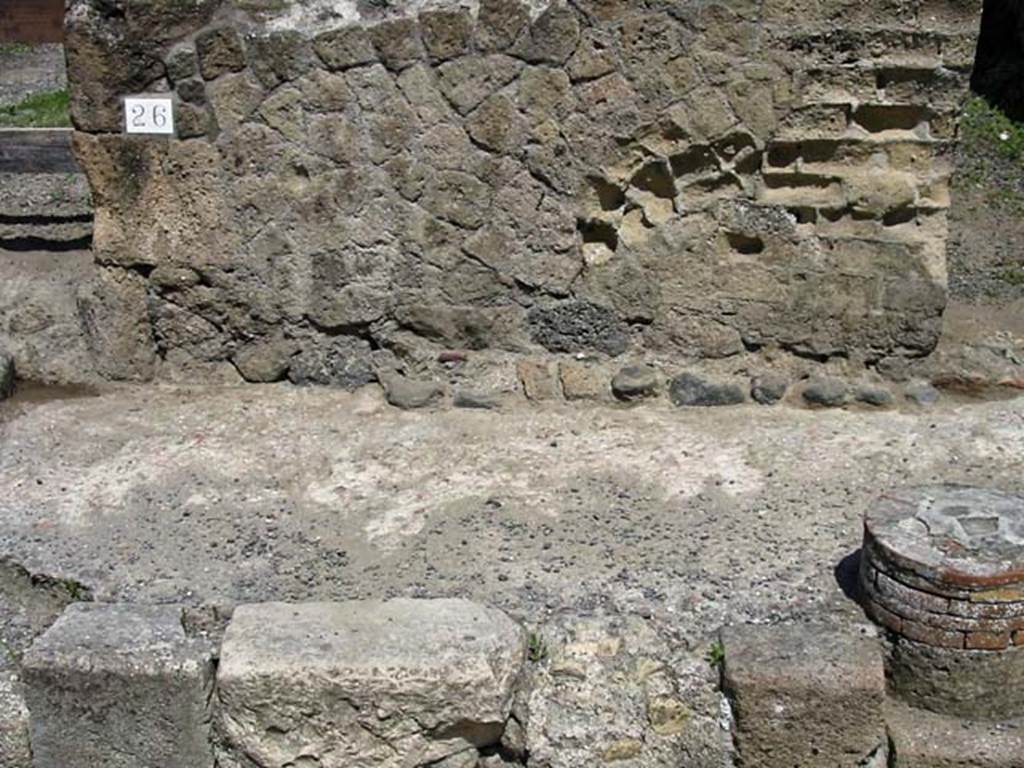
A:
[943, 570]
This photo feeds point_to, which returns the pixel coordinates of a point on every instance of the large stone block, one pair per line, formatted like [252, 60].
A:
[804, 695]
[120, 687]
[922, 739]
[351, 685]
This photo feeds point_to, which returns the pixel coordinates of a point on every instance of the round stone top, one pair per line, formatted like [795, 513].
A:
[965, 537]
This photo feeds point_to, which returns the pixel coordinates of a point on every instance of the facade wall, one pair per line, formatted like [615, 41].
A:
[358, 184]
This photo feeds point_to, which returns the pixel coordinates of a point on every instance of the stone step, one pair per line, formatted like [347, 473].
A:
[367, 684]
[38, 232]
[391, 684]
[119, 686]
[44, 194]
[804, 694]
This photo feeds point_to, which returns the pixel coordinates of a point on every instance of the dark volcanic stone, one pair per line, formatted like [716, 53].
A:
[279, 57]
[220, 51]
[874, 395]
[688, 389]
[768, 389]
[635, 382]
[578, 326]
[340, 362]
[192, 90]
[181, 63]
[476, 400]
[827, 392]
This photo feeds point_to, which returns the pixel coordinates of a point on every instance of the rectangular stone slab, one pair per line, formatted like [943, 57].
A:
[926, 740]
[804, 694]
[119, 686]
[384, 684]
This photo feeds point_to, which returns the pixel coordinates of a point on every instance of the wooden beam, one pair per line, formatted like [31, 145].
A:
[36, 150]
[31, 21]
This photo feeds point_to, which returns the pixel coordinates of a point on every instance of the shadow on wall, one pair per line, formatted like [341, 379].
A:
[999, 67]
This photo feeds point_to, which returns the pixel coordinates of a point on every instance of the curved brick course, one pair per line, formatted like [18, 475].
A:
[944, 566]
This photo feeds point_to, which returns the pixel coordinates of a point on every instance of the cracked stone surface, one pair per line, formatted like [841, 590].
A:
[396, 683]
[971, 536]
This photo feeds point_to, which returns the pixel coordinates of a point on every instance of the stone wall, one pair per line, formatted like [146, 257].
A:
[358, 186]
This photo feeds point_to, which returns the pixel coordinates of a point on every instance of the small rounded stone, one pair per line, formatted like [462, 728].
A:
[635, 382]
[826, 392]
[689, 389]
[878, 396]
[768, 389]
[921, 394]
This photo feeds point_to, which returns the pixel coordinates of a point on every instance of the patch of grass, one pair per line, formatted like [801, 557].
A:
[77, 592]
[986, 126]
[14, 48]
[536, 648]
[1013, 276]
[41, 110]
[716, 655]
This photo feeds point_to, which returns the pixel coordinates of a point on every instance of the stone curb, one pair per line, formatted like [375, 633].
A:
[394, 684]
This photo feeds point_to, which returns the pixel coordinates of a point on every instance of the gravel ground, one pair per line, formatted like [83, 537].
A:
[986, 237]
[694, 518]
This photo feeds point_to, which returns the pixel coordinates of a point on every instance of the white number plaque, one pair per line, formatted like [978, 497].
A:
[149, 114]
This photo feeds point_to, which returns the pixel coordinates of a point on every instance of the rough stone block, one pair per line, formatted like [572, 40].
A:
[582, 382]
[113, 312]
[769, 388]
[120, 687]
[922, 739]
[359, 684]
[539, 379]
[447, 33]
[689, 389]
[220, 51]
[410, 394]
[804, 694]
